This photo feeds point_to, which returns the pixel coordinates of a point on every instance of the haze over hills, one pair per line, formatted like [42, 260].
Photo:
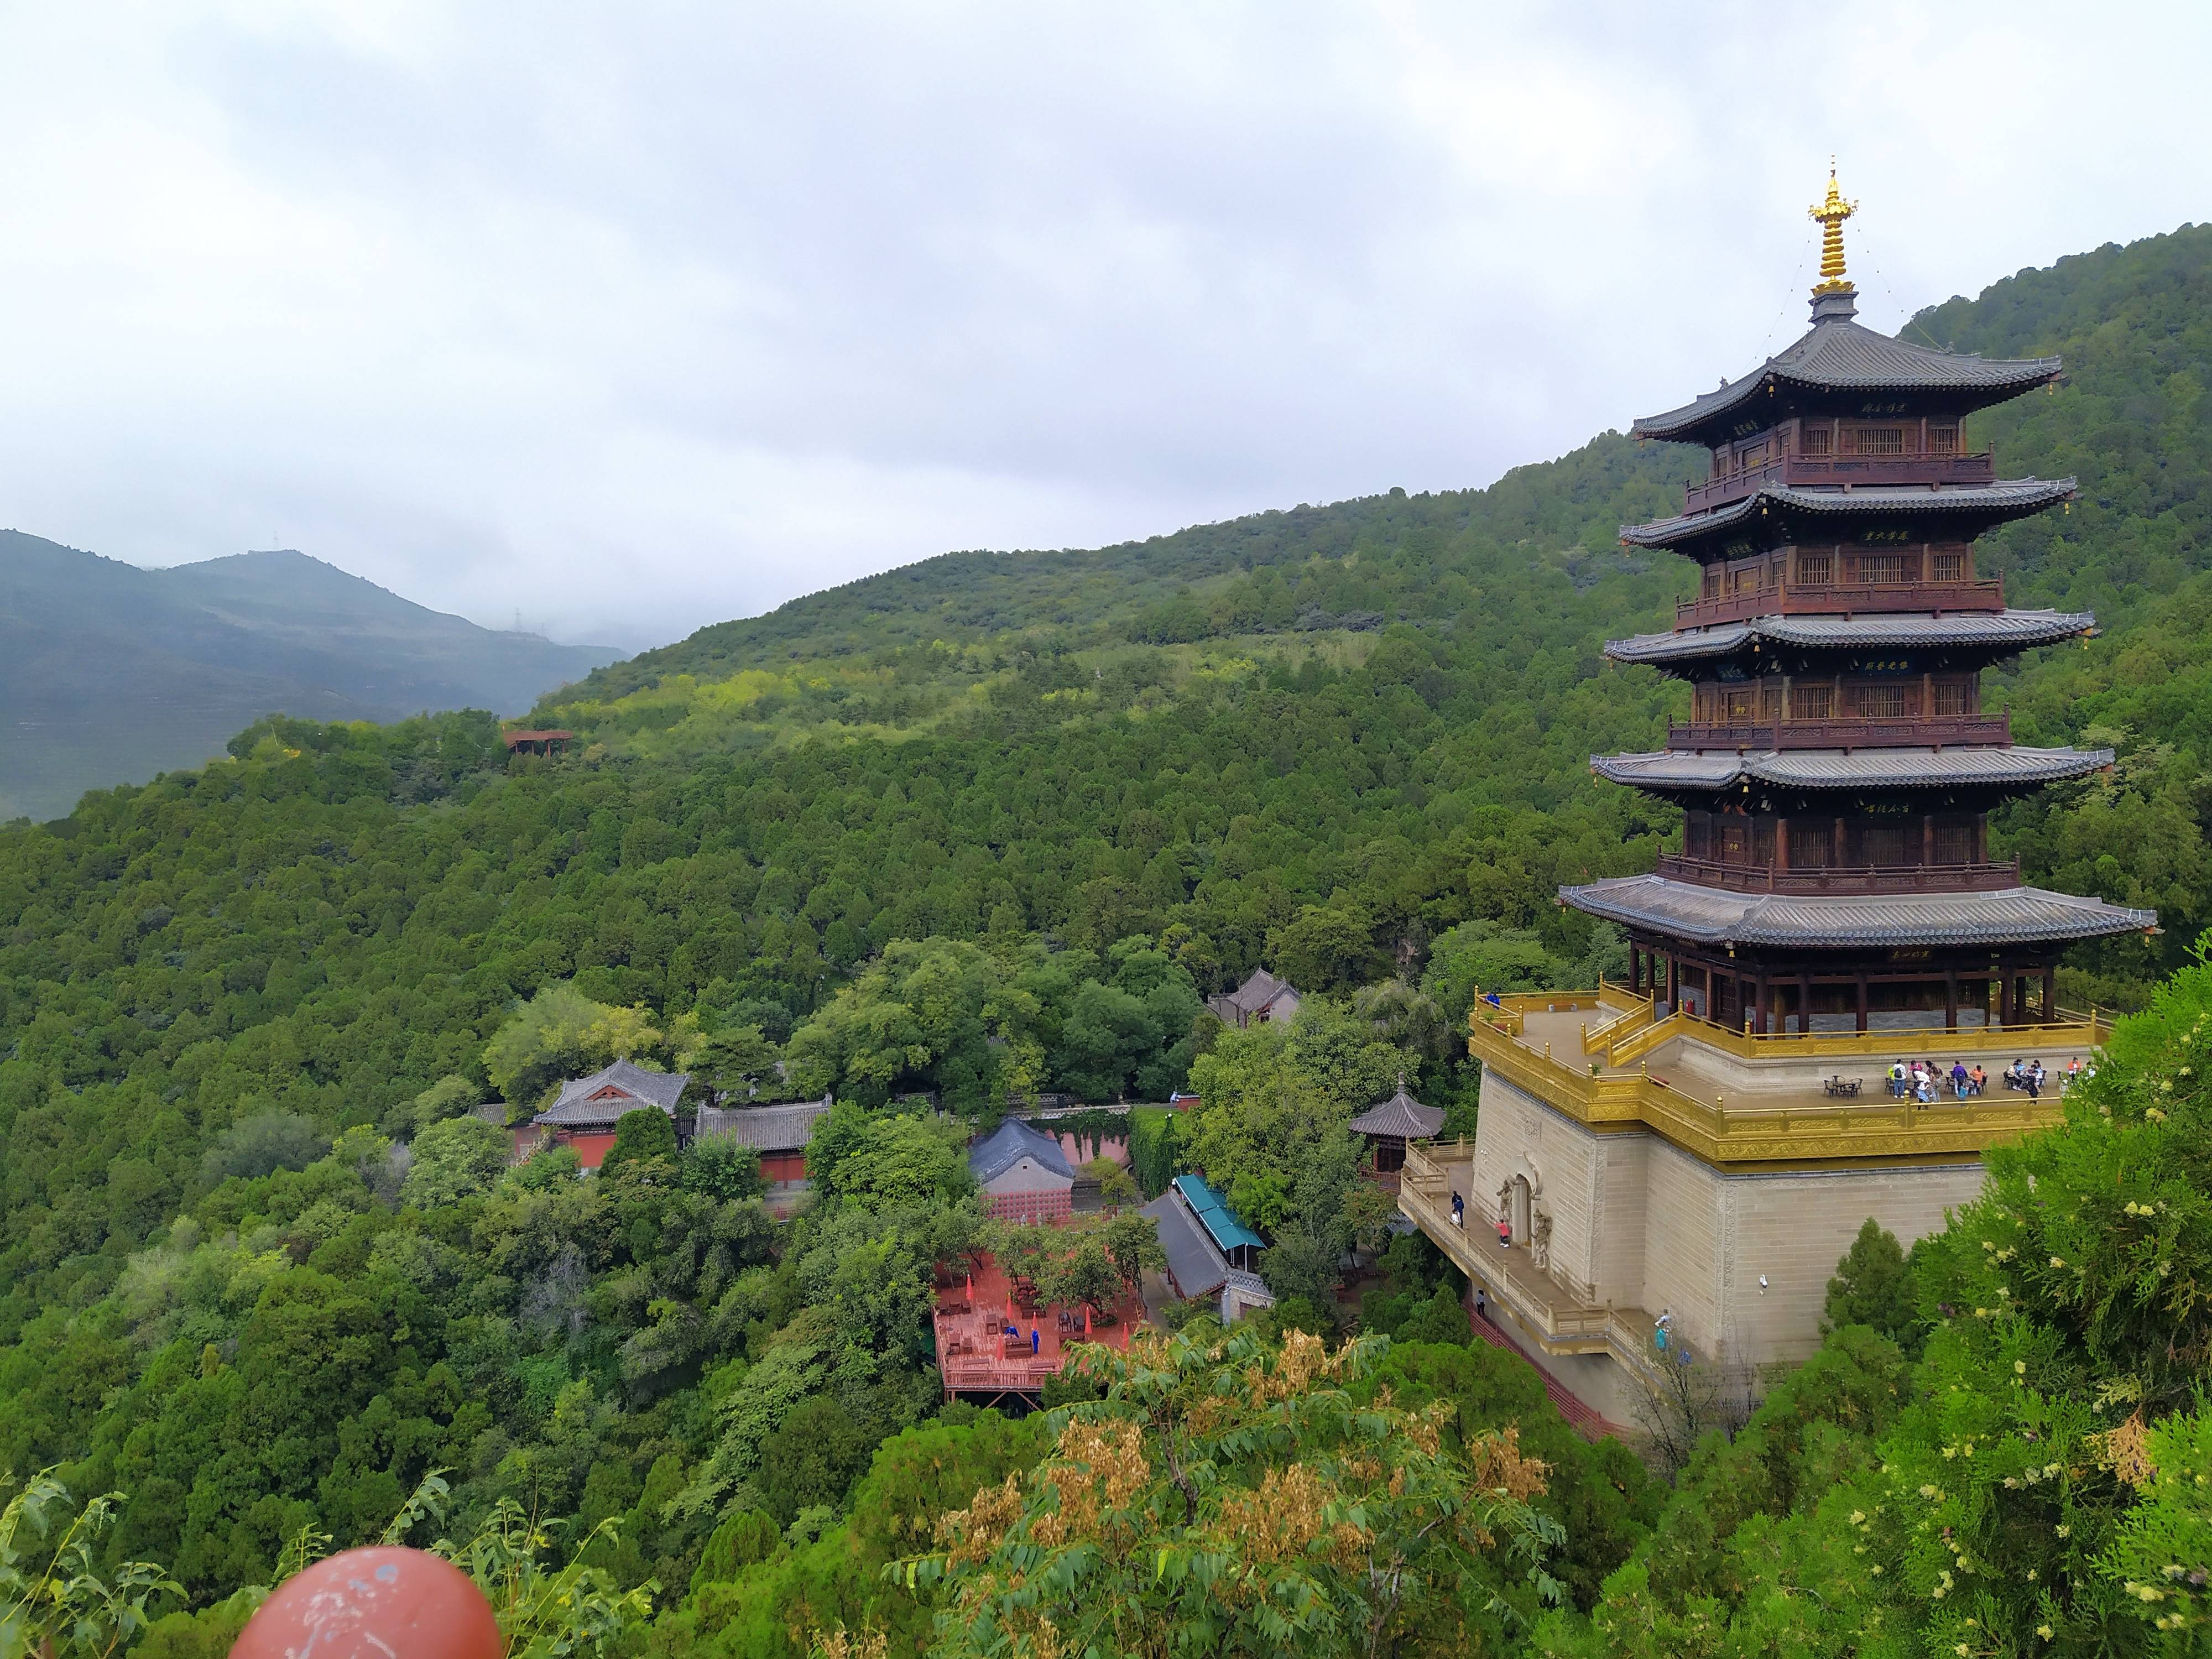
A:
[110, 673]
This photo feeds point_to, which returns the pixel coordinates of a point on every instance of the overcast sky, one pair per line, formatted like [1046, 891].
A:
[640, 316]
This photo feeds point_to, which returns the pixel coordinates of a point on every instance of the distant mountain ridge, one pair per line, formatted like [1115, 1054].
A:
[110, 673]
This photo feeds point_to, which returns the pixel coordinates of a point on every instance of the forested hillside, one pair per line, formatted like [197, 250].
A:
[110, 674]
[991, 822]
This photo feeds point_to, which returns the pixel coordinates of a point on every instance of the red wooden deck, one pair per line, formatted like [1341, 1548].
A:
[975, 1355]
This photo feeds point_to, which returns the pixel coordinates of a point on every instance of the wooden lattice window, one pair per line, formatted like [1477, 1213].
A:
[1816, 440]
[1954, 697]
[1942, 440]
[1947, 567]
[1813, 703]
[1810, 842]
[1697, 835]
[1956, 841]
[1882, 568]
[1881, 441]
[1882, 843]
[1880, 703]
[1816, 569]
[1769, 704]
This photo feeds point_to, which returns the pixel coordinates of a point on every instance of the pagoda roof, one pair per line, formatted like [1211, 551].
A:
[1401, 1116]
[1714, 916]
[2009, 767]
[2000, 631]
[2007, 498]
[1839, 355]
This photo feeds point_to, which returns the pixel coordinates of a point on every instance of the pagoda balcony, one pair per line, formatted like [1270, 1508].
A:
[1837, 470]
[1842, 878]
[1926, 732]
[1847, 598]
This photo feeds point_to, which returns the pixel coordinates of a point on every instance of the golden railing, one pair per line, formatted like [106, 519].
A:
[1753, 1129]
[1630, 1019]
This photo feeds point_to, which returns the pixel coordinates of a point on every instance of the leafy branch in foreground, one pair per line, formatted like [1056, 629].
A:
[52, 1603]
[1228, 1495]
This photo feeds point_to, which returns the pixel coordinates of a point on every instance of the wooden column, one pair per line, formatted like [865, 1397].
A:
[1804, 1004]
[1950, 1000]
[1673, 985]
[1861, 978]
[1837, 856]
[1759, 1007]
[2050, 996]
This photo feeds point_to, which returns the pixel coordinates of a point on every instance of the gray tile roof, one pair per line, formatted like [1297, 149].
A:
[1710, 915]
[625, 1088]
[1195, 1265]
[1999, 630]
[1402, 1115]
[1008, 1144]
[1260, 991]
[786, 1128]
[1839, 354]
[1832, 769]
[2008, 498]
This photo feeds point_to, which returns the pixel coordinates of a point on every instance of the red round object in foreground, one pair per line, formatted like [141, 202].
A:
[376, 1603]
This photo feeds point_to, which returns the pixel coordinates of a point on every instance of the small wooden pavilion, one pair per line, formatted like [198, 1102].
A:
[1391, 1123]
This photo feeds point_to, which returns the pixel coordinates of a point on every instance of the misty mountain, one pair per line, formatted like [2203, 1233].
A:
[110, 673]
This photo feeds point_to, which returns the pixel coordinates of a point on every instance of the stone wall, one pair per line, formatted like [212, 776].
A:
[1638, 1223]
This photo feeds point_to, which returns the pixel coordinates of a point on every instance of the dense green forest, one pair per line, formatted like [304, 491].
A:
[995, 824]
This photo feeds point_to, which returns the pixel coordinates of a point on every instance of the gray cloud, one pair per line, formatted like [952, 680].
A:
[634, 318]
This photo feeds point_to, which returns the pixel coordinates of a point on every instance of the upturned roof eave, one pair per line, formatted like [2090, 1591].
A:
[1999, 501]
[1985, 379]
[2013, 915]
[1667, 771]
[2001, 631]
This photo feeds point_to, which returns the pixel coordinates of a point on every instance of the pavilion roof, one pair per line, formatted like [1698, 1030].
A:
[2008, 767]
[1839, 355]
[1401, 1116]
[1992, 503]
[2001, 631]
[604, 1095]
[1714, 916]
[1008, 1144]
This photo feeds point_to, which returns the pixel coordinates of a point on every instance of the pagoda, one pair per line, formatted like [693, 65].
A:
[1837, 769]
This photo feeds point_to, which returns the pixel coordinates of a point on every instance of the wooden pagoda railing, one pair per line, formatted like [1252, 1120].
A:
[1886, 471]
[1827, 598]
[1920, 732]
[1982, 877]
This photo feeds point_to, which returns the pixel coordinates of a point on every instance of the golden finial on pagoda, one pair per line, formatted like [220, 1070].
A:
[1832, 213]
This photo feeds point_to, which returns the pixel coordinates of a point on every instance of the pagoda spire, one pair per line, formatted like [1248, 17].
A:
[1830, 214]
